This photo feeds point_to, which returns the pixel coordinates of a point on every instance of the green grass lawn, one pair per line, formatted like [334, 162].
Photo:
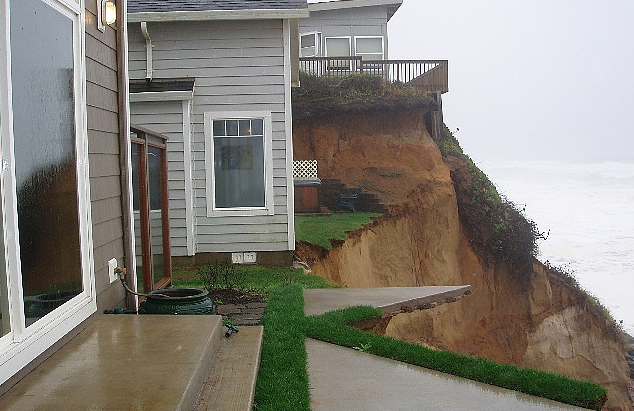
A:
[320, 230]
[253, 278]
[282, 382]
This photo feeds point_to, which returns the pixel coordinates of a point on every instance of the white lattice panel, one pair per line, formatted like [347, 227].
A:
[305, 169]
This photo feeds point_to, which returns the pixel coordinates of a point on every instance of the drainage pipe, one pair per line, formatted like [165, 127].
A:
[148, 51]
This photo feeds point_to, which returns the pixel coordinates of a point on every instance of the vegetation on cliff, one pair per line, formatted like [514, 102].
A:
[323, 96]
[496, 226]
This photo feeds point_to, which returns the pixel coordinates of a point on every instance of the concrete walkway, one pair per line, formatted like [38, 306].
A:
[345, 379]
[390, 300]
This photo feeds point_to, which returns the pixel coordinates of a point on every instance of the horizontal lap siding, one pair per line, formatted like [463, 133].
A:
[238, 66]
[103, 156]
[360, 21]
[167, 118]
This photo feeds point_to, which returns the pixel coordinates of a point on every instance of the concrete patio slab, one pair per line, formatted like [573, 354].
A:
[346, 379]
[124, 362]
[390, 300]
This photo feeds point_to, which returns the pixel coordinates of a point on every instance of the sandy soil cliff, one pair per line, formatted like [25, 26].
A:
[541, 323]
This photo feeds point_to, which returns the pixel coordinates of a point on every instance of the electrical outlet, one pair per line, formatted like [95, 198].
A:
[237, 258]
[250, 258]
[112, 265]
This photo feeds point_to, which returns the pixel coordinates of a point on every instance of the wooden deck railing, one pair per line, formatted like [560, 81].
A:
[430, 75]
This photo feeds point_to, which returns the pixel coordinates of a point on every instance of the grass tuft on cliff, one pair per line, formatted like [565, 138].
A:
[322, 230]
[323, 96]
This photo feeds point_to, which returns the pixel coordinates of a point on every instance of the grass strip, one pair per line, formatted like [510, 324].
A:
[282, 383]
[331, 327]
[320, 230]
[252, 278]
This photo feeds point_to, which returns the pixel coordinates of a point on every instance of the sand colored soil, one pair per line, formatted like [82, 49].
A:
[538, 322]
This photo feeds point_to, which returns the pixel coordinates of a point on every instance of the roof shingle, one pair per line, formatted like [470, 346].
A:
[163, 6]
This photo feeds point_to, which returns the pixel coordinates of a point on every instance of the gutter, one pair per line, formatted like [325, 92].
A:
[209, 15]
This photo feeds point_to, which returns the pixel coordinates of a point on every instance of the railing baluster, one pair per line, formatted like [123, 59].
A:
[430, 75]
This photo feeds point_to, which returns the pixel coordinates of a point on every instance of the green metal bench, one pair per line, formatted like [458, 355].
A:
[346, 200]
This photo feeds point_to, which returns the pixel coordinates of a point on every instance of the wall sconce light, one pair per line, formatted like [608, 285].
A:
[110, 12]
[107, 14]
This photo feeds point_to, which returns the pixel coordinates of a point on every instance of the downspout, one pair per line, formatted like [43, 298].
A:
[148, 51]
[125, 156]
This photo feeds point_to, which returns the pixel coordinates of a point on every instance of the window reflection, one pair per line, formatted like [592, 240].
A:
[5, 324]
[42, 75]
[155, 179]
[136, 195]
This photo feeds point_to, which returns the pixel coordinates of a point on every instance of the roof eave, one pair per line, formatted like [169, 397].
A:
[208, 15]
[336, 5]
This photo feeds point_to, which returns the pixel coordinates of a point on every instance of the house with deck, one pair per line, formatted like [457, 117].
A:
[347, 28]
[214, 77]
[342, 37]
[350, 37]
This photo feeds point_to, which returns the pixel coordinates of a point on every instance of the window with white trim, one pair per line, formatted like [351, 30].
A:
[338, 47]
[310, 44]
[47, 276]
[239, 163]
[369, 48]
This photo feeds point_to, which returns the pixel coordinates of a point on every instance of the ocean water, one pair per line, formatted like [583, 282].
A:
[589, 211]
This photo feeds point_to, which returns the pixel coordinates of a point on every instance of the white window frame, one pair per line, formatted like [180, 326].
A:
[356, 53]
[23, 344]
[212, 210]
[337, 37]
[339, 65]
[317, 37]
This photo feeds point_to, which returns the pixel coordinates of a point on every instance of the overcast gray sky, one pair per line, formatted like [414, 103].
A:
[529, 80]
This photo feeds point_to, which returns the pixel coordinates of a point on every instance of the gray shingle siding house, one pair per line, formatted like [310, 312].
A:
[348, 28]
[65, 197]
[215, 78]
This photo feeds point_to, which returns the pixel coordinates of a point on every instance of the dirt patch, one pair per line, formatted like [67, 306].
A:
[228, 296]
[241, 308]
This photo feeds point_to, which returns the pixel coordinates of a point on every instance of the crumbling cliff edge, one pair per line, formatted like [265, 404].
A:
[535, 320]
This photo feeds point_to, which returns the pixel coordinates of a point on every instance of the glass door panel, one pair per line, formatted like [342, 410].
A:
[156, 181]
[43, 78]
[137, 166]
[151, 219]
[5, 323]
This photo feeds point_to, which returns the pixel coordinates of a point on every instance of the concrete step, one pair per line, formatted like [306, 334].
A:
[231, 381]
[125, 362]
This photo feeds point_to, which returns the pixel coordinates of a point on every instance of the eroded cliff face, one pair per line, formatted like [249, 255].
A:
[540, 322]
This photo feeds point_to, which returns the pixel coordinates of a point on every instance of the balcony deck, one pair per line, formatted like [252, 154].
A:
[429, 75]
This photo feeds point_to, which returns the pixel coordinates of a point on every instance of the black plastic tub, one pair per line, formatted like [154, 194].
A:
[181, 301]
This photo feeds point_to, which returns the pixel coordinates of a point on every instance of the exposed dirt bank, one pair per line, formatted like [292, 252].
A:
[541, 323]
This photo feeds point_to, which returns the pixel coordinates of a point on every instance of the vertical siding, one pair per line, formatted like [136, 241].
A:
[238, 66]
[103, 156]
[359, 21]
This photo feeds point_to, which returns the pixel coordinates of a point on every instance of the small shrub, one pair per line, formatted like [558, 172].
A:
[220, 275]
[568, 276]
